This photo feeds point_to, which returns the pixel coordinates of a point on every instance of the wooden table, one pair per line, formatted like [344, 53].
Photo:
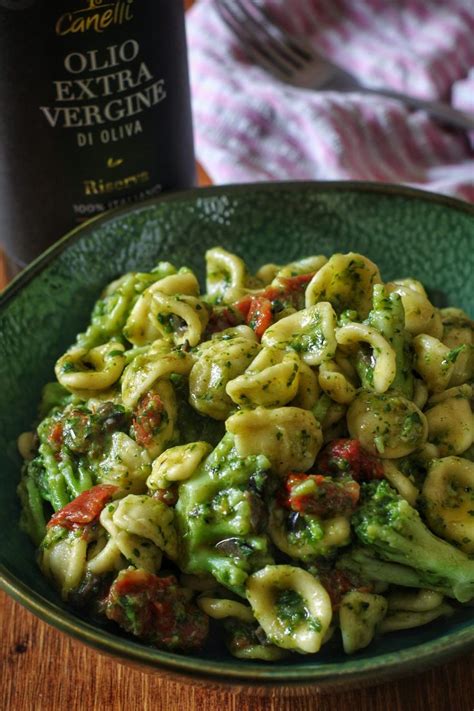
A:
[43, 670]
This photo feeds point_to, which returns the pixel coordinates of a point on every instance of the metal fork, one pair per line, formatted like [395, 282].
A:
[292, 60]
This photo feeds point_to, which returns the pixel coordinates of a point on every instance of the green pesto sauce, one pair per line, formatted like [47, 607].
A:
[292, 611]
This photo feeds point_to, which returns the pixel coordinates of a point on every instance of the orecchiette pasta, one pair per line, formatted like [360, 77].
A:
[176, 464]
[221, 361]
[146, 517]
[125, 465]
[418, 601]
[420, 314]
[65, 562]
[292, 606]
[219, 609]
[270, 380]
[346, 281]
[159, 360]
[226, 275]
[137, 550]
[383, 355]
[310, 332]
[297, 444]
[332, 533]
[448, 491]
[335, 384]
[308, 388]
[389, 426]
[433, 361]
[400, 482]
[451, 425]
[359, 616]
[288, 436]
[90, 370]
[402, 620]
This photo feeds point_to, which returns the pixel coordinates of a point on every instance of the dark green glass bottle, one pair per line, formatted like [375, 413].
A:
[95, 112]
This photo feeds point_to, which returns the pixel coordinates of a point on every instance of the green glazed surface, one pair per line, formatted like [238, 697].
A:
[406, 232]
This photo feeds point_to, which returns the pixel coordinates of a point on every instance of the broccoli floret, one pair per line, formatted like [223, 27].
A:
[364, 562]
[220, 517]
[393, 530]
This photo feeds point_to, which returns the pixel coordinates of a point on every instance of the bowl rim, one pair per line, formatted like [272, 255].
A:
[354, 670]
[321, 186]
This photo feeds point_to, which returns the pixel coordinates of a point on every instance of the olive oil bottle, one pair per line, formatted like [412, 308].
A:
[94, 112]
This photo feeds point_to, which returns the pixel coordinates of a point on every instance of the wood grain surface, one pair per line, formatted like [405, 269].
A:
[43, 670]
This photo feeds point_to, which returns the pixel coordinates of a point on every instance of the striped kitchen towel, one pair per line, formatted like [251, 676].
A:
[250, 127]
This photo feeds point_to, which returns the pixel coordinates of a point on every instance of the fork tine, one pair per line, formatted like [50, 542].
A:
[300, 50]
[236, 18]
[252, 48]
[268, 32]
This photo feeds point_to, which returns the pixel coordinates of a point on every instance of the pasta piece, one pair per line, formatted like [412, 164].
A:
[402, 620]
[389, 426]
[125, 465]
[288, 436]
[359, 615]
[64, 561]
[105, 557]
[142, 326]
[270, 380]
[448, 493]
[219, 609]
[451, 425]
[222, 360]
[400, 482]
[335, 384]
[177, 464]
[315, 538]
[384, 361]
[465, 391]
[149, 518]
[433, 361]
[346, 281]
[414, 601]
[267, 273]
[226, 275]
[182, 283]
[80, 370]
[160, 360]
[308, 388]
[310, 332]
[420, 314]
[292, 607]
[458, 335]
[308, 265]
[179, 318]
[204, 583]
[136, 550]
[420, 393]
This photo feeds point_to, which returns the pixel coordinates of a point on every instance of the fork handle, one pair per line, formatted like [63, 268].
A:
[439, 110]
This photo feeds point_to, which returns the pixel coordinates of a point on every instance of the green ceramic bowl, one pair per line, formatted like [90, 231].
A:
[406, 232]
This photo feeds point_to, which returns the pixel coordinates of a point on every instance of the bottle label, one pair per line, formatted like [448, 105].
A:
[100, 99]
